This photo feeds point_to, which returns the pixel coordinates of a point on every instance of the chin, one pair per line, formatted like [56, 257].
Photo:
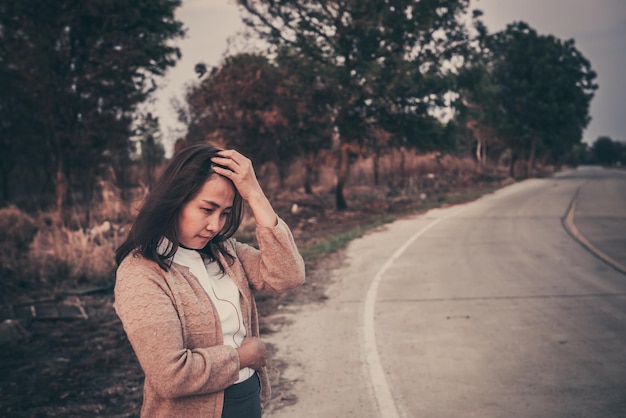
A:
[203, 244]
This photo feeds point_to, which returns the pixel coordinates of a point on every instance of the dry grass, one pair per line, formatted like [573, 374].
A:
[70, 257]
[39, 253]
[41, 256]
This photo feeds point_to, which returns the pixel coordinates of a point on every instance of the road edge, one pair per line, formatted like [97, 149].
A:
[568, 223]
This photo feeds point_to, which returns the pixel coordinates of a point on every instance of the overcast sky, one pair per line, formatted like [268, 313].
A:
[597, 26]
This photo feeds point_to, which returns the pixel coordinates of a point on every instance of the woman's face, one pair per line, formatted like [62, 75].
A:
[204, 216]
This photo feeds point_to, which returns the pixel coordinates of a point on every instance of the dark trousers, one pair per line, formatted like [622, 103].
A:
[243, 400]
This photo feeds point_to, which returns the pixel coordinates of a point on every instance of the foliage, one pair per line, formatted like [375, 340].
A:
[17, 229]
[272, 112]
[605, 151]
[478, 111]
[544, 89]
[242, 103]
[387, 63]
[74, 72]
[308, 112]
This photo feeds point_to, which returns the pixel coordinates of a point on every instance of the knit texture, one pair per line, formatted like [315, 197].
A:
[175, 330]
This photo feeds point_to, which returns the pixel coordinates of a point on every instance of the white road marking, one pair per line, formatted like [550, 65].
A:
[382, 393]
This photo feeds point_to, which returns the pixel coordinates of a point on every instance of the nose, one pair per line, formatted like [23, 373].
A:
[213, 224]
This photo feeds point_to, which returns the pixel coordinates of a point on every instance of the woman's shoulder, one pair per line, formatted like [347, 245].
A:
[136, 263]
[138, 276]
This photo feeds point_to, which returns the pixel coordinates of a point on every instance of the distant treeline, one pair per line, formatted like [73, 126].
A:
[353, 77]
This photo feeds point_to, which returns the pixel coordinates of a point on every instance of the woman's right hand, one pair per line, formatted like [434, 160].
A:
[252, 353]
[239, 169]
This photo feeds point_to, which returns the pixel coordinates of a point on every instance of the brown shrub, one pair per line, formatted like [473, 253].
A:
[107, 203]
[61, 256]
[41, 256]
[17, 230]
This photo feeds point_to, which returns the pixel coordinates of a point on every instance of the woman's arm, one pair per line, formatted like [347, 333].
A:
[277, 265]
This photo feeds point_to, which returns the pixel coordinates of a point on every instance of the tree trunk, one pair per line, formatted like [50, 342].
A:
[6, 190]
[340, 200]
[376, 163]
[283, 171]
[342, 177]
[149, 162]
[403, 175]
[309, 173]
[61, 187]
[513, 162]
[531, 159]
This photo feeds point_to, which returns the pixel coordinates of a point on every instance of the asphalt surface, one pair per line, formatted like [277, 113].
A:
[513, 305]
[599, 219]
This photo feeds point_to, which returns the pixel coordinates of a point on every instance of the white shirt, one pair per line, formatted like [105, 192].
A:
[223, 293]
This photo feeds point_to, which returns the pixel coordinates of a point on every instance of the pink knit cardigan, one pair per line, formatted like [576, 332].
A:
[176, 333]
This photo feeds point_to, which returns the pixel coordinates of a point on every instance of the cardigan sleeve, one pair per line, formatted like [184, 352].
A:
[276, 266]
[144, 303]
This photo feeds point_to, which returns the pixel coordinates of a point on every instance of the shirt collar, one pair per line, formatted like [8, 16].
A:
[184, 256]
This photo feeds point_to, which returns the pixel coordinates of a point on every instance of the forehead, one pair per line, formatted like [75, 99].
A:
[217, 189]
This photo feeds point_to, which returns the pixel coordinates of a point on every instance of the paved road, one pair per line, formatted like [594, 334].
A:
[496, 308]
[599, 212]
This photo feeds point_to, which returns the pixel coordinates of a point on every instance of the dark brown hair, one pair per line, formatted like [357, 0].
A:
[183, 178]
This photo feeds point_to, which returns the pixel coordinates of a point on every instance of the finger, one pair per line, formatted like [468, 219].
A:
[227, 152]
[223, 158]
[237, 157]
[232, 155]
[221, 169]
[224, 163]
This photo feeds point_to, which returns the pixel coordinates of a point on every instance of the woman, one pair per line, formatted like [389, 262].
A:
[184, 287]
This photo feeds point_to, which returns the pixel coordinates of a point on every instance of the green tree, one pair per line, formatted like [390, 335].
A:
[80, 68]
[264, 109]
[305, 104]
[477, 104]
[605, 151]
[545, 87]
[387, 63]
[239, 103]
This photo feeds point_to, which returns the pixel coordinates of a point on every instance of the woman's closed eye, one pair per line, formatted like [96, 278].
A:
[210, 211]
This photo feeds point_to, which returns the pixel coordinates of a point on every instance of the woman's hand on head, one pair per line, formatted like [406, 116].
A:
[240, 171]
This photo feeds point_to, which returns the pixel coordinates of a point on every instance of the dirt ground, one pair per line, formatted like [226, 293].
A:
[86, 367]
